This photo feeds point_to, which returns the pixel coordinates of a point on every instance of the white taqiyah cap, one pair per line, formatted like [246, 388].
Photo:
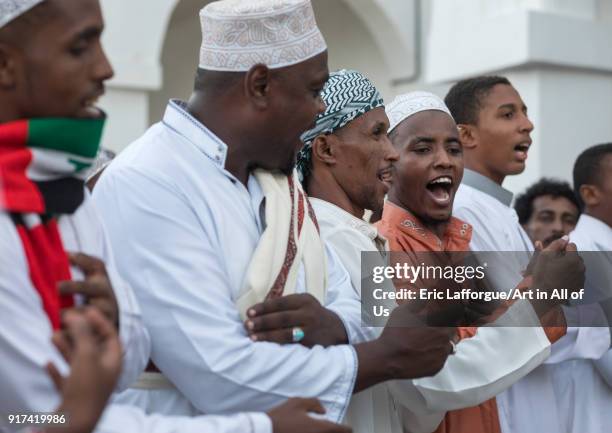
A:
[11, 9]
[408, 104]
[238, 34]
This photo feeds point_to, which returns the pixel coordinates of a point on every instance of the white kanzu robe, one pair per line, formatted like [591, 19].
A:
[482, 367]
[189, 228]
[584, 386]
[26, 348]
[529, 405]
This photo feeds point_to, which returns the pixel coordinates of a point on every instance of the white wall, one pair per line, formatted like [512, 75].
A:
[556, 52]
[179, 57]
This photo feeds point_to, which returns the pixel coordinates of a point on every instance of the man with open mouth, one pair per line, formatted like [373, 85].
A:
[346, 167]
[495, 131]
[417, 218]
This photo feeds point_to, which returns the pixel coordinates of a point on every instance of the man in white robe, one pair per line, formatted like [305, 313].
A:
[205, 207]
[584, 386]
[495, 133]
[347, 169]
[49, 136]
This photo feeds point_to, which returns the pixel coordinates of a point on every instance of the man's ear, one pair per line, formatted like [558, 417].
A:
[7, 67]
[468, 135]
[257, 86]
[590, 195]
[323, 149]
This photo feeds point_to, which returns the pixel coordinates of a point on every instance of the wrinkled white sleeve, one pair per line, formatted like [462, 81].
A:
[579, 341]
[92, 239]
[25, 334]
[344, 263]
[198, 339]
[121, 419]
[26, 348]
[482, 367]
[604, 367]
[582, 342]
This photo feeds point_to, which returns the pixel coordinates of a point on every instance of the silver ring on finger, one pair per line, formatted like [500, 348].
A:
[297, 334]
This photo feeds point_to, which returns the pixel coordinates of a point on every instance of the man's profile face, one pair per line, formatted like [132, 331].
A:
[551, 218]
[605, 189]
[430, 167]
[365, 158]
[295, 104]
[62, 66]
[504, 132]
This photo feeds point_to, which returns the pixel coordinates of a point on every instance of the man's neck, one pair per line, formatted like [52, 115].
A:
[211, 115]
[481, 169]
[7, 114]
[330, 191]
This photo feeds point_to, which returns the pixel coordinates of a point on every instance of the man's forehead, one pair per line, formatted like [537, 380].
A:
[429, 123]
[75, 11]
[551, 202]
[502, 95]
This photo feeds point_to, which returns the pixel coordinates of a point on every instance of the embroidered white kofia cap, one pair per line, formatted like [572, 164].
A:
[408, 104]
[11, 9]
[238, 34]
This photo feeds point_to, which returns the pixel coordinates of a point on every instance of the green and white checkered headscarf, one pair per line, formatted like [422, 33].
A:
[347, 95]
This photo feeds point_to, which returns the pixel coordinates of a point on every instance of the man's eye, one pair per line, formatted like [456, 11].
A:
[509, 115]
[570, 220]
[79, 48]
[421, 150]
[546, 218]
[455, 151]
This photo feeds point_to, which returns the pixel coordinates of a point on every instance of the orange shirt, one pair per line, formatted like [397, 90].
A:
[405, 233]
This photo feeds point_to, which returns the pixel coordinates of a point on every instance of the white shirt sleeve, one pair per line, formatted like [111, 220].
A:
[121, 419]
[482, 367]
[345, 298]
[26, 348]
[582, 342]
[25, 334]
[132, 332]
[604, 367]
[198, 339]
[348, 247]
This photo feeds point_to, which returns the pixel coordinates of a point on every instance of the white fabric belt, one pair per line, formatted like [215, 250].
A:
[152, 381]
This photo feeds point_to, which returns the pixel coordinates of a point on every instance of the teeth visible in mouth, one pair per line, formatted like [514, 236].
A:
[385, 176]
[442, 181]
[90, 102]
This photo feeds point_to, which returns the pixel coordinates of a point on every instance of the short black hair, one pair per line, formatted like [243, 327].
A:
[464, 99]
[555, 188]
[587, 168]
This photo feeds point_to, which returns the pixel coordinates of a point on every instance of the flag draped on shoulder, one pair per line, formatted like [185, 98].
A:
[43, 165]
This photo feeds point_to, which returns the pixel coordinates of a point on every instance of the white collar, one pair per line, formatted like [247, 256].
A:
[351, 220]
[487, 186]
[178, 119]
[595, 229]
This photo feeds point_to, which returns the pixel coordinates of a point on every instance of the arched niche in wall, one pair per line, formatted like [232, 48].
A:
[178, 57]
[375, 37]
